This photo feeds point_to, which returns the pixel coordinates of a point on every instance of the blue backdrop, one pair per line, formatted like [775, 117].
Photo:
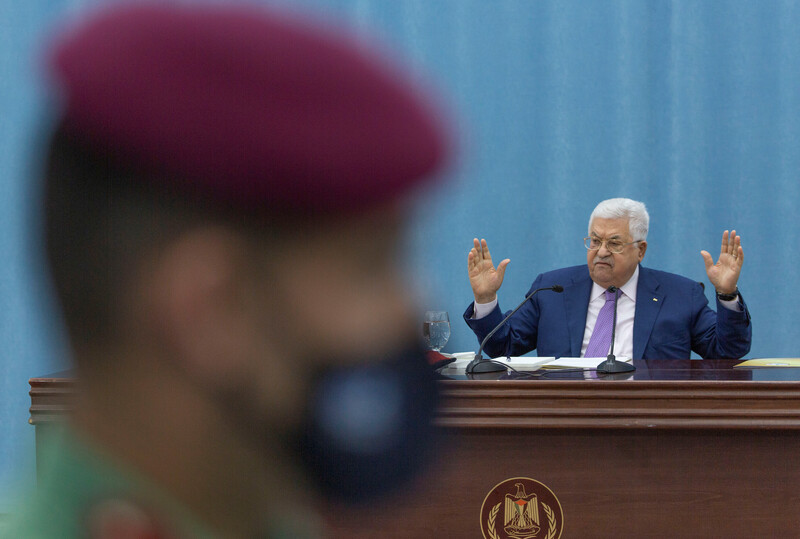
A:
[689, 106]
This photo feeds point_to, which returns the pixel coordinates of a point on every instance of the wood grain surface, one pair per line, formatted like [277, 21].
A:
[678, 451]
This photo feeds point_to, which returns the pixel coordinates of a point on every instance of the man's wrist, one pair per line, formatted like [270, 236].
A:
[485, 299]
[728, 295]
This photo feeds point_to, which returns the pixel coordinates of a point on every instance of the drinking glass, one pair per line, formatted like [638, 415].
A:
[436, 329]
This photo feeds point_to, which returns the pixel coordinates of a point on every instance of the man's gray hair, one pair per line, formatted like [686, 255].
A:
[624, 208]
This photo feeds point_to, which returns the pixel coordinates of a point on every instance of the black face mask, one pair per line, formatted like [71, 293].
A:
[369, 427]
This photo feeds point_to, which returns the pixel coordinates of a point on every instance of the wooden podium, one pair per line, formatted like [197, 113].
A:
[680, 449]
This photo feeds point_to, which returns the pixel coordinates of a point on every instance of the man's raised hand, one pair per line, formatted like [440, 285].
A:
[725, 273]
[484, 278]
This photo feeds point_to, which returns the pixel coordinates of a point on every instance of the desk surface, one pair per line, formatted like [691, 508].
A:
[660, 394]
[646, 369]
[652, 369]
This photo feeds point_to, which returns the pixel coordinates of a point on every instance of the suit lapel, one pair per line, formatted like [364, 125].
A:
[576, 296]
[648, 303]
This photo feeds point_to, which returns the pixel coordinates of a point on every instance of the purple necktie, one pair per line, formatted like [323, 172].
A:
[600, 342]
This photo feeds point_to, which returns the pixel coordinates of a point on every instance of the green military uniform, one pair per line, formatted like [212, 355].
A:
[85, 494]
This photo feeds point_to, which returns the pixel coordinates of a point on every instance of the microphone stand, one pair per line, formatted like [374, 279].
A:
[611, 365]
[480, 365]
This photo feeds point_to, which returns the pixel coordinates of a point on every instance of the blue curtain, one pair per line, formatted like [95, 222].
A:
[690, 106]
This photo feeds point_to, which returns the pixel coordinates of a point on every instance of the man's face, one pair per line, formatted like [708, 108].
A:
[252, 322]
[613, 269]
[331, 295]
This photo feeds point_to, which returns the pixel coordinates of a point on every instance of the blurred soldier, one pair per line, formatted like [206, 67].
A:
[226, 191]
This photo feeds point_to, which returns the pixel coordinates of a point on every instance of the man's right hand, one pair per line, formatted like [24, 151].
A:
[484, 278]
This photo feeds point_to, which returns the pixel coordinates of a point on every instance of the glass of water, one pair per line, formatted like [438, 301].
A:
[436, 329]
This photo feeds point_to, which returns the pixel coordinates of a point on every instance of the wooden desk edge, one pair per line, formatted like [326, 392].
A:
[564, 404]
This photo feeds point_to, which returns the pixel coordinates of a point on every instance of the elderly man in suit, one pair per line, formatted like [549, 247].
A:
[660, 315]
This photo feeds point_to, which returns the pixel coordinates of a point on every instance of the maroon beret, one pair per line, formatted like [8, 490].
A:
[245, 105]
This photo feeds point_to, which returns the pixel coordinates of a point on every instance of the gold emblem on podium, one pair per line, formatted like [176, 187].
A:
[521, 508]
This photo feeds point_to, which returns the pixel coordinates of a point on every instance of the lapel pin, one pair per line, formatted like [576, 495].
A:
[655, 299]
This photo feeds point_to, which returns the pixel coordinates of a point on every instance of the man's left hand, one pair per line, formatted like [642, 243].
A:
[725, 273]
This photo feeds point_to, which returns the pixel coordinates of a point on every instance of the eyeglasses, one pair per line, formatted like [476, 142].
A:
[615, 246]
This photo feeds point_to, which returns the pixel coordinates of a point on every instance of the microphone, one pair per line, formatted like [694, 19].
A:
[611, 365]
[480, 365]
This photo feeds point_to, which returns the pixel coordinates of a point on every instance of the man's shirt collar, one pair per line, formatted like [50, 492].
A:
[629, 288]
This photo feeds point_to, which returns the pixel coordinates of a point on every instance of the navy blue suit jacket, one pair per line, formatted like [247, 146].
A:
[672, 319]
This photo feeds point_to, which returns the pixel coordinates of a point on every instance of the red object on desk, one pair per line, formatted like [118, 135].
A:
[437, 360]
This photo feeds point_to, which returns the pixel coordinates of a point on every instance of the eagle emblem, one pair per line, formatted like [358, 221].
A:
[521, 508]
[521, 514]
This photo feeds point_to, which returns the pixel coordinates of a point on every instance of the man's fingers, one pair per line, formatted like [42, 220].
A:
[724, 249]
[707, 259]
[501, 268]
[485, 249]
[474, 259]
[736, 248]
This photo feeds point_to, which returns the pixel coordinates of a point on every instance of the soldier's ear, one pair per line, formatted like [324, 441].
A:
[194, 299]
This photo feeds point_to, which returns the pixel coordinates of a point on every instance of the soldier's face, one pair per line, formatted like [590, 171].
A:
[258, 326]
[344, 288]
[331, 295]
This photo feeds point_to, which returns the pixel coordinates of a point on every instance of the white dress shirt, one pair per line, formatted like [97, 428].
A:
[626, 312]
